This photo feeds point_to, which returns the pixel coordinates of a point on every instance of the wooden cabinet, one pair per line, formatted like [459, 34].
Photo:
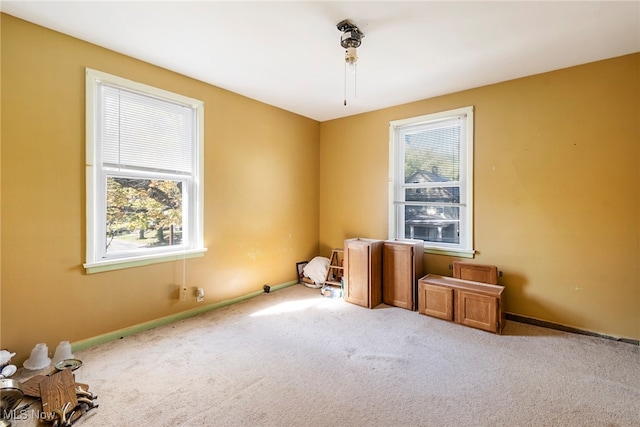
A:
[402, 266]
[474, 304]
[363, 271]
[475, 272]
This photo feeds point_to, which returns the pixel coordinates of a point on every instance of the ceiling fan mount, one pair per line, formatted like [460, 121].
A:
[350, 40]
[351, 34]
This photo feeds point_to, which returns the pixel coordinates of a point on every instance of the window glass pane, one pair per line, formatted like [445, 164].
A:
[143, 214]
[433, 194]
[432, 223]
[433, 154]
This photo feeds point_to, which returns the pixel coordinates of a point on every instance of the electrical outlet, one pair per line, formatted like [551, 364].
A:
[200, 295]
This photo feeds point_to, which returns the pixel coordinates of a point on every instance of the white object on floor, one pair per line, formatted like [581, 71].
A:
[63, 351]
[316, 269]
[39, 358]
[5, 357]
[8, 370]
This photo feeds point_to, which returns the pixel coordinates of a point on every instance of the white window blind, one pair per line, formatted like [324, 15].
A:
[142, 132]
[436, 148]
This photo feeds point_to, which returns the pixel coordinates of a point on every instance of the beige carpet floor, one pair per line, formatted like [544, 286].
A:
[294, 358]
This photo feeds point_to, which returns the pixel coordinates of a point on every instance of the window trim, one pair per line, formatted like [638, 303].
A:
[465, 248]
[92, 169]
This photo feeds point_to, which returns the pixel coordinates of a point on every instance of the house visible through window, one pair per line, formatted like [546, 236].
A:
[144, 174]
[431, 194]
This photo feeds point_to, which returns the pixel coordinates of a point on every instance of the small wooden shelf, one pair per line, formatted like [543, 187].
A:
[335, 270]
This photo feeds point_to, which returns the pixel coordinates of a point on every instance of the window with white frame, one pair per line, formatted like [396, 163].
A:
[431, 179]
[144, 154]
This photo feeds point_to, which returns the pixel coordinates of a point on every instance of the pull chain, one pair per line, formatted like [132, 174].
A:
[355, 80]
[345, 83]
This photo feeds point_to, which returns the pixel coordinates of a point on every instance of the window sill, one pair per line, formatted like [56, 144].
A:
[461, 253]
[119, 264]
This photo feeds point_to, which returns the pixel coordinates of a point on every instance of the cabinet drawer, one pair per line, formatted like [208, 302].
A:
[436, 301]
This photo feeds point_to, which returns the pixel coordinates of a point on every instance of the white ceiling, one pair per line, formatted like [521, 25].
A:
[288, 53]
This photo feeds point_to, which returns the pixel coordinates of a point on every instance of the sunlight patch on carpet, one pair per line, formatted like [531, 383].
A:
[292, 306]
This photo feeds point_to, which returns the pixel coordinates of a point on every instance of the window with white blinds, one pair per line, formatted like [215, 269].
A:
[144, 174]
[431, 194]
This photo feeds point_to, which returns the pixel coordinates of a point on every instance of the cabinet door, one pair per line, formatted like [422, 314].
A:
[436, 301]
[356, 285]
[398, 276]
[475, 272]
[477, 311]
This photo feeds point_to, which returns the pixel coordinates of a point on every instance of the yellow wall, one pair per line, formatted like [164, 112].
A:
[556, 192]
[261, 205]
